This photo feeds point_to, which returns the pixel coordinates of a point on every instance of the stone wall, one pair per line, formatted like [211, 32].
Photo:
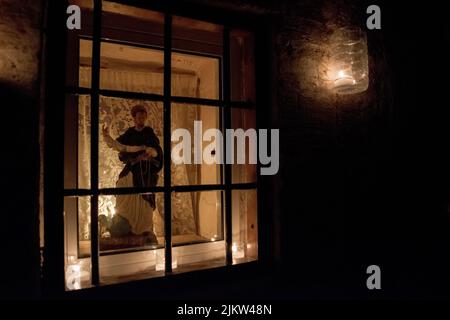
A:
[20, 49]
[20, 43]
[330, 144]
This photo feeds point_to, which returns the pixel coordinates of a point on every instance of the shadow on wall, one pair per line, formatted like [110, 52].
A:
[20, 192]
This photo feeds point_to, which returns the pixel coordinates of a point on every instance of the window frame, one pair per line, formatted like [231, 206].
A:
[54, 254]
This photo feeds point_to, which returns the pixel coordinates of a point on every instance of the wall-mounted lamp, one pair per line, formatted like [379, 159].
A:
[349, 66]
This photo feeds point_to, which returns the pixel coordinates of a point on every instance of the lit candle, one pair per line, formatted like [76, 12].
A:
[348, 61]
[343, 81]
[73, 276]
[238, 250]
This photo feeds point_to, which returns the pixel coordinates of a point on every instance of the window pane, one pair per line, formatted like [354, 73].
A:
[245, 227]
[195, 170]
[131, 221]
[195, 76]
[131, 68]
[244, 119]
[77, 142]
[77, 242]
[123, 67]
[197, 230]
[121, 154]
[131, 231]
[197, 216]
[242, 66]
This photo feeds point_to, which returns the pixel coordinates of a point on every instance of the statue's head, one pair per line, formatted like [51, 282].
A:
[139, 114]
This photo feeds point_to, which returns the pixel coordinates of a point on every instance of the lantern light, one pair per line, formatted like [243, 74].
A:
[349, 68]
[238, 250]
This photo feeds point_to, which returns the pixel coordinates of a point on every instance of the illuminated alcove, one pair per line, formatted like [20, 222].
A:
[198, 226]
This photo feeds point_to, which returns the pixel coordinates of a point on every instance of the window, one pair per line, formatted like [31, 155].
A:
[126, 218]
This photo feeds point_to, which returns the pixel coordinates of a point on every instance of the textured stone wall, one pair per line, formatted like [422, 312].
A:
[20, 42]
[330, 144]
[20, 47]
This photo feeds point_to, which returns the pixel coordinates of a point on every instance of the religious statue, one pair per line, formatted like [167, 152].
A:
[139, 149]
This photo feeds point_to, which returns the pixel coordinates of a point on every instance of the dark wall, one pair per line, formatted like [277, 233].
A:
[365, 178]
[20, 44]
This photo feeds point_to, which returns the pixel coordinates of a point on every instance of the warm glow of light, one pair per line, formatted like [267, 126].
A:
[161, 260]
[238, 250]
[76, 268]
[348, 65]
[73, 274]
[107, 206]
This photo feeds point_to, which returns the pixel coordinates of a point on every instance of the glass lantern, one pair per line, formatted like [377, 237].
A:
[349, 68]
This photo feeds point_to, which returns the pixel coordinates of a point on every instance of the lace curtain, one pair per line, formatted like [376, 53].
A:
[115, 112]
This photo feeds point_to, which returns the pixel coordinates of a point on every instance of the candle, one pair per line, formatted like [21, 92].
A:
[238, 250]
[73, 277]
[343, 83]
[349, 68]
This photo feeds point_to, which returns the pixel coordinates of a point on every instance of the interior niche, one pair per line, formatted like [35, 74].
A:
[195, 216]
